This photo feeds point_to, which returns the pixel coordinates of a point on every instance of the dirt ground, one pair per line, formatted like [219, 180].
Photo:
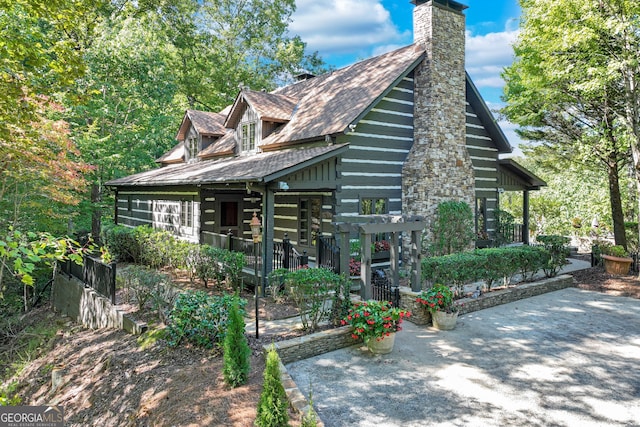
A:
[110, 378]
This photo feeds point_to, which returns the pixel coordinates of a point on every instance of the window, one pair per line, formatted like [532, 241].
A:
[192, 148]
[310, 220]
[373, 206]
[248, 137]
[481, 218]
[186, 213]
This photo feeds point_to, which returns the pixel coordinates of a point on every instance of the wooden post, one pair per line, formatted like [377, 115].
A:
[416, 269]
[393, 258]
[525, 217]
[365, 267]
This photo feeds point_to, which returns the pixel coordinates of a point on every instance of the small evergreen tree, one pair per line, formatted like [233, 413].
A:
[273, 405]
[236, 349]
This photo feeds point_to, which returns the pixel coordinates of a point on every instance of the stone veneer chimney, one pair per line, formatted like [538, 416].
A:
[438, 167]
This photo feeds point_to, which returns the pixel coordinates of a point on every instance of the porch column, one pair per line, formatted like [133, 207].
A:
[525, 217]
[344, 251]
[268, 200]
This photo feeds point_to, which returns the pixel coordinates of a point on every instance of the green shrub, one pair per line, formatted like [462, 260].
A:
[558, 250]
[121, 242]
[236, 349]
[200, 319]
[233, 263]
[453, 229]
[489, 265]
[143, 284]
[615, 250]
[309, 289]
[273, 405]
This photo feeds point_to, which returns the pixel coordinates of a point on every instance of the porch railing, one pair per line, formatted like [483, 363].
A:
[286, 256]
[93, 273]
[248, 248]
[328, 253]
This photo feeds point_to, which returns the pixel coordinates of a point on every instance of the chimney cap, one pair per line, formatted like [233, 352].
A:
[458, 7]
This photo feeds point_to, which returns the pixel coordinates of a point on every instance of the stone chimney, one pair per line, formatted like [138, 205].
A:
[438, 167]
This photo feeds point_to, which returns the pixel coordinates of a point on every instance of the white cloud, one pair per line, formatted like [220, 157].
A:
[487, 55]
[344, 26]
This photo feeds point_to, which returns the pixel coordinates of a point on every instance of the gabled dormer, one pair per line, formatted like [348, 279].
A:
[198, 131]
[255, 115]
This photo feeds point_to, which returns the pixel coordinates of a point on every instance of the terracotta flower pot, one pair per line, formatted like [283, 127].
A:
[616, 265]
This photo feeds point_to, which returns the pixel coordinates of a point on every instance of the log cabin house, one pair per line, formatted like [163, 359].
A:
[394, 134]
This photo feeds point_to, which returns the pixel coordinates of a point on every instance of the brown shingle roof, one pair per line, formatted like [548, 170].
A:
[261, 167]
[268, 106]
[328, 104]
[175, 155]
[225, 146]
[205, 123]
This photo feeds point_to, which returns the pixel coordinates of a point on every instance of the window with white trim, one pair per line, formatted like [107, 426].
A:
[186, 213]
[192, 148]
[248, 137]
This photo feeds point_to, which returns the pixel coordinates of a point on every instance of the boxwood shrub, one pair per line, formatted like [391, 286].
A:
[489, 265]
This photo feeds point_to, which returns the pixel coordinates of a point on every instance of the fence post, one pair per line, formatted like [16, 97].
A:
[286, 248]
[229, 240]
[113, 283]
[304, 259]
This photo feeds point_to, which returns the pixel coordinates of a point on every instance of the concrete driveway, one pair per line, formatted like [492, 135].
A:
[566, 358]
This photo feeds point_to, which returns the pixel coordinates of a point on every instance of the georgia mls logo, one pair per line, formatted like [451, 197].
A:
[31, 416]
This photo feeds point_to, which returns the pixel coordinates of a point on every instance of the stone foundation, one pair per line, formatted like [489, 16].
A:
[70, 297]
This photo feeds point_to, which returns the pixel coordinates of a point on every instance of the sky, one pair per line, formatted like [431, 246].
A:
[345, 31]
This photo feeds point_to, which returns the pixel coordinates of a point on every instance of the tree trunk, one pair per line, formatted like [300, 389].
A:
[96, 211]
[617, 214]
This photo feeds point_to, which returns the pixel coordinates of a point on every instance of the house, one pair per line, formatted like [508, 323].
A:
[394, 134]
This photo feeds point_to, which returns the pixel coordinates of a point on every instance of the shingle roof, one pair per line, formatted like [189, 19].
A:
[175, 155]
[205, 123]
[269, 106]
[328, 104]
[225, 146]
[261, 167]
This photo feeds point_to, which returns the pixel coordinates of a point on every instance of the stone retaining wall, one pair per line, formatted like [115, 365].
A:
[420, 316]
[70, 297]
[314, 344]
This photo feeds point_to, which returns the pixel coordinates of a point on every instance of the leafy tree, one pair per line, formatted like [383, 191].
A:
[566, 88]
[236, 349]
[273, 405]
[40, 55]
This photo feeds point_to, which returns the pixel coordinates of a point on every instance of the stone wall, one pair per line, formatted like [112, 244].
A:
[314, 344]
[438, 167]
[420, 316]
[70, 297]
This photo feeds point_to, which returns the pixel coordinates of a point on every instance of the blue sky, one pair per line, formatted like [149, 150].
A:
[345, 31]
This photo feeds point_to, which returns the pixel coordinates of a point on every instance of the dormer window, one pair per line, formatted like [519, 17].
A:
[192, 148]
[248, 137]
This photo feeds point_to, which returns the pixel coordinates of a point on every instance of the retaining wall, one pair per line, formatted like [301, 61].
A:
[70, 297]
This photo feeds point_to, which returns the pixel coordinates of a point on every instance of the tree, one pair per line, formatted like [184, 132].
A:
[273, 405]
[562, 92]
[149, 61]
[236, 349]
[39, 57]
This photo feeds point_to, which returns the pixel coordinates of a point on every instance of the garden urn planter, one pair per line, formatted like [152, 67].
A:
[382, 345]
[443, 320]
[616, 265]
